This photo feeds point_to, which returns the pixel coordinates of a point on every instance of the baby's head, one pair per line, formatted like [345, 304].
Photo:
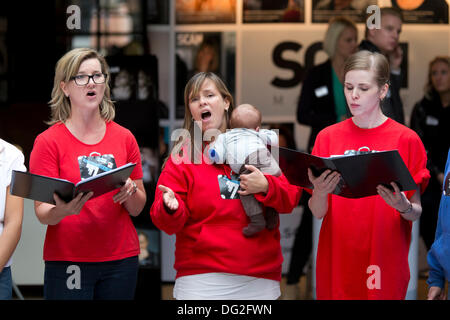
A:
[246, 116]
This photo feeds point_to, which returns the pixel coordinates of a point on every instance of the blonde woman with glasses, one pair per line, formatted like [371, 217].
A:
[91, 246]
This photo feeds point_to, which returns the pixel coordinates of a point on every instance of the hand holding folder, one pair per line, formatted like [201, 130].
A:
[360, 173]
[42, 188]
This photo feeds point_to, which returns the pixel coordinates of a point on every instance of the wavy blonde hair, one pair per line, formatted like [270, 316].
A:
[67, 67]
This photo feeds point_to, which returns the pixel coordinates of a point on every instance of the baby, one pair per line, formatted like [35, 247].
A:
[245, 144]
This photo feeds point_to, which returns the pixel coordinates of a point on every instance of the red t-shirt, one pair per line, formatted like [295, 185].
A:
[364, 243]
[103, 231]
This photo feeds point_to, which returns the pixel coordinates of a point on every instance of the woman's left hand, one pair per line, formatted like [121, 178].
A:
[127, 191]
[253, 182]
[396, 199]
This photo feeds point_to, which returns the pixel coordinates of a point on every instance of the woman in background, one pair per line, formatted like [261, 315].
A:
[431, 120]
[322, 101]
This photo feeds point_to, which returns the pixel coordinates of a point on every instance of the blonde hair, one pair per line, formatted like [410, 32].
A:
[67, 67]
[429, 85]
[191, 89]
[335, 28]
[366, 60]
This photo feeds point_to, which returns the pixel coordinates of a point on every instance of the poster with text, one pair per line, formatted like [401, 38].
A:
[273, 11]
[205, 11]
[422, 11]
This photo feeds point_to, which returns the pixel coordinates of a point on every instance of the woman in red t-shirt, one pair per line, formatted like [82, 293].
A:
[364, 243]
[91, 247]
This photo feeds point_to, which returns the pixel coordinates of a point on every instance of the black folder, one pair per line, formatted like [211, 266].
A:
[360, 173]
[41, 188]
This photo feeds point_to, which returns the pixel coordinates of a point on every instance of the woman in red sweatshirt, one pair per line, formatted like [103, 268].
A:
[195, 201]
[364, 243]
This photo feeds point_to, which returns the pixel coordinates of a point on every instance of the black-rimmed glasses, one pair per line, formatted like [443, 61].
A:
[83, 79]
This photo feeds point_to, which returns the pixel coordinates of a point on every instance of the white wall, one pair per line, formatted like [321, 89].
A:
[28, 264]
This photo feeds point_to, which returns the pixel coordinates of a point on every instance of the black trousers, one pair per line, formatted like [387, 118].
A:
[302, 248]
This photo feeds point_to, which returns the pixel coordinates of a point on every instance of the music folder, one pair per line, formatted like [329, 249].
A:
[41, 188]
[360, 173]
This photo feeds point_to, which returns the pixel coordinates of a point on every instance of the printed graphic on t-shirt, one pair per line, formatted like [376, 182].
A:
[95, 163]
[361, 150]
[228, 187]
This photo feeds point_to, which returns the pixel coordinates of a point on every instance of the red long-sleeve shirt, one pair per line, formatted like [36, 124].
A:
[209, 229]
[364, 243]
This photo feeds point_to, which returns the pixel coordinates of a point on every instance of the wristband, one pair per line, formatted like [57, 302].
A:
[407, 210]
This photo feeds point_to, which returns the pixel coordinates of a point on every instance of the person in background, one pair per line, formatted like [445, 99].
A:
[91, 246]
[385, 40]
[430, 118]
[364, 243]
[213, 259]
[11, 214]
[321, 104]
[322, 101]
[438, 258]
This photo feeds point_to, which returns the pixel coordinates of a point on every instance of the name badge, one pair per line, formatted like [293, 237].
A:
[321, 91]
[431, 121]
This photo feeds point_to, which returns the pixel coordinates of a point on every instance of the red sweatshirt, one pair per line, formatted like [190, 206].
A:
[209, 229]
[364, 243]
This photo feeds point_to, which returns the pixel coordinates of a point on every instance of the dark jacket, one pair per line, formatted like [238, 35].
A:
[316, 106]
[392, 105]
[431, 121]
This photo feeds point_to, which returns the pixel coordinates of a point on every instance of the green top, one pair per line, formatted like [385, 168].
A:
[339, 98]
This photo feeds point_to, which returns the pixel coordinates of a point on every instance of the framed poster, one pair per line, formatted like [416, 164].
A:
[203, 51]
[263, 11]
[205, 11]
[422, 11]
[150, 248]
[324, 10]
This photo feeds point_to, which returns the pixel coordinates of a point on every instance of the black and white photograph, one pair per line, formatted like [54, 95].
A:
[203, 52]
